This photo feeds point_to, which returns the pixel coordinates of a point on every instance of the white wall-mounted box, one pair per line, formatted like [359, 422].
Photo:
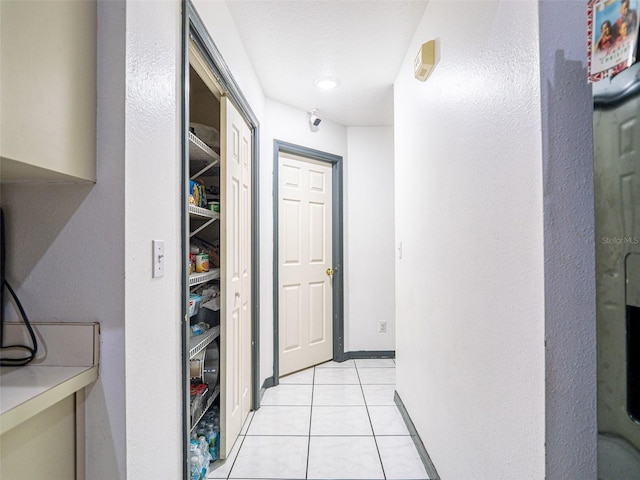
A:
[425, 61]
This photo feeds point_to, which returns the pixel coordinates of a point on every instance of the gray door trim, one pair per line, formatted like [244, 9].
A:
[184, 115]
[194, 29]
[337, 241]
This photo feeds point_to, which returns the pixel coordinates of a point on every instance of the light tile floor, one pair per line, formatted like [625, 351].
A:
[332, 421]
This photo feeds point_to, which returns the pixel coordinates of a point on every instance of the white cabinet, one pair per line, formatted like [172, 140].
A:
[48, 95]
[52, 434]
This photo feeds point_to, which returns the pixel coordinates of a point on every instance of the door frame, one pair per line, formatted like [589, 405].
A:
[335, 161]
[194, 29]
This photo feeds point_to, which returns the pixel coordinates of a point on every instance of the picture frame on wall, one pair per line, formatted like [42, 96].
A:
[612, 33]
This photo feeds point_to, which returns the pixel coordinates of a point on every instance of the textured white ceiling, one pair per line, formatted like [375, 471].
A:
[359, 43]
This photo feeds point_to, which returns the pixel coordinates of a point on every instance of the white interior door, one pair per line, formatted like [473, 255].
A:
[235, 238]
[305, 256]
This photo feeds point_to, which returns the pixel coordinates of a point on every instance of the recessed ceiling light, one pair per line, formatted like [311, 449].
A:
[326, 83]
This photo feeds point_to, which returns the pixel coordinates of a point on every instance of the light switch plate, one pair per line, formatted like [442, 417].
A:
[158, 258]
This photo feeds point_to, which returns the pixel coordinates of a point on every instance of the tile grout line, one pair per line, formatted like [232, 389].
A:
[233, 464]
[332, 435]
[250, 422]
[366, 406]
[313, 386]
[312, 405]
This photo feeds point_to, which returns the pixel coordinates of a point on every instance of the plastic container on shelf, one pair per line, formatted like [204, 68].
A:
[194, 304]
[199, 328]
[213, 304]
[207, 292]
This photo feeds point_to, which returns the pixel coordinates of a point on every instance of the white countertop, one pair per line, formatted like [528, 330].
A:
[67, 361]
[26, 391]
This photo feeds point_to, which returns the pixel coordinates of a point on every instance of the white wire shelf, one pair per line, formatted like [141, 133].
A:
[201, 214]
[198, 343]
[198, 278]
[212, 398]
[201, 157]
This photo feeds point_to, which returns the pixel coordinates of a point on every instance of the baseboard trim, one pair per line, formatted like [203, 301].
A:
[360, 354]
[268, 383]
[424, 456]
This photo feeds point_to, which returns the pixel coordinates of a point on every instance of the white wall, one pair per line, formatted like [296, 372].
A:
[369, 230]
[287, 124]
[469, 213]
[219, 23]
[570, 311]
[368, 218]
[153, 87]
[494, 155]
[152, 211]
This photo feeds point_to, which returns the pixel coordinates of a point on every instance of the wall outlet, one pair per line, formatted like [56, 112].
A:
[383, 327]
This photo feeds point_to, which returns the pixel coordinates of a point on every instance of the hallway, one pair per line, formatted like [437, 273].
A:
[335, 420]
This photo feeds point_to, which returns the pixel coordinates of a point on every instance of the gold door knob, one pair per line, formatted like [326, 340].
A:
[329, 272]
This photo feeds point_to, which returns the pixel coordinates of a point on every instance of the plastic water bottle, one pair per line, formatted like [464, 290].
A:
[213, 438]
[205, 456]
[204, 449]
[196, 460]
[194, 468]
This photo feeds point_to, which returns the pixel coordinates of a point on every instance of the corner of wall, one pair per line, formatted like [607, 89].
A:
[570, 312]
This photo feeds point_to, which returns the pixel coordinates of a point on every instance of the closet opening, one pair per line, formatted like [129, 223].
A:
[220, 250]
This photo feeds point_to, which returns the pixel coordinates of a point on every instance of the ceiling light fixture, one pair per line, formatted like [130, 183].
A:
[326, 83]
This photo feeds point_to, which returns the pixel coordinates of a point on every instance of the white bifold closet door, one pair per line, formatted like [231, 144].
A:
[235, 239]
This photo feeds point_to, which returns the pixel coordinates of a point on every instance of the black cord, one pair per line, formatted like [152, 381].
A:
[31, 352]
[18, 362]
